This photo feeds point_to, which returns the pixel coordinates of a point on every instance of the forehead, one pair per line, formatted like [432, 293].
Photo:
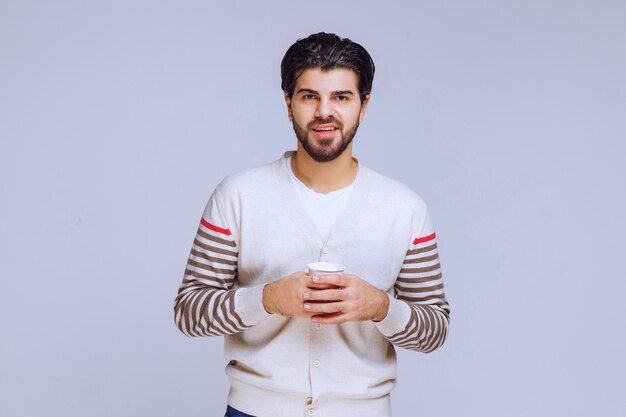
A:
[326, 81]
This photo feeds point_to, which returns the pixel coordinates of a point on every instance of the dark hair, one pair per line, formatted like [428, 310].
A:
[326, 51]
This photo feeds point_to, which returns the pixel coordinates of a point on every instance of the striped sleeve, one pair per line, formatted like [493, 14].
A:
[419, 315]
[206, 301]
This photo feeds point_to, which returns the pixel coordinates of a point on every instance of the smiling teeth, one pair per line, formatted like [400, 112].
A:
[326, 128]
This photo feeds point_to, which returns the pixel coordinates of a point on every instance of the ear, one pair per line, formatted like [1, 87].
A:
[288, 103]
[364, 107]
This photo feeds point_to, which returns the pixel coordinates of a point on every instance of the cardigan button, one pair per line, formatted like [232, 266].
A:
[311, 412]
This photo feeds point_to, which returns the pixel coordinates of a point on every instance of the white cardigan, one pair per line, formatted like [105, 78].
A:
[255, 230]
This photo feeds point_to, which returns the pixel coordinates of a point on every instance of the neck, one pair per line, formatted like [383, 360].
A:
[325, 177]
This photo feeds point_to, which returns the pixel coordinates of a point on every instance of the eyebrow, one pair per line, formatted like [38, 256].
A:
[334, 93]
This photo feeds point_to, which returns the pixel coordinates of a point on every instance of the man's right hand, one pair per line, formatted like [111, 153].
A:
[286, 296]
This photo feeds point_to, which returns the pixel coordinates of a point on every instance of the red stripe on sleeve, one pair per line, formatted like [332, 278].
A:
[424, 239]
[215, 228]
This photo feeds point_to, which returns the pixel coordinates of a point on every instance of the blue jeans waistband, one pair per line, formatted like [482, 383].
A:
[231, 412]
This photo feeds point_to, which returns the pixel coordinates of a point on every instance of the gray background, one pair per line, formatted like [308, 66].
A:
[118, 118]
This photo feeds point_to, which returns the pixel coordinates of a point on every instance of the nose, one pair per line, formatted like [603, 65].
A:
[324, 108]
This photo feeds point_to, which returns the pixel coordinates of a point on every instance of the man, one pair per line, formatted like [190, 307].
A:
[300, 345]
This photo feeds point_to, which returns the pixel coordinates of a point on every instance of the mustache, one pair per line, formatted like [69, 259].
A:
[319, 122]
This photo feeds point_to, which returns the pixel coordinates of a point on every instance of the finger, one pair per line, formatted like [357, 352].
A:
[315, 286]
[334, 318]
[313, 282]
[324, 295]
[324, 308]
[330, 279]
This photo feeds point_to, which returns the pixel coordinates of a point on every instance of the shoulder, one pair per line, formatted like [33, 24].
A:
[251, 180]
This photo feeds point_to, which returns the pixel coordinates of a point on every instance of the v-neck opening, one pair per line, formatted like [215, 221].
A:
[299, 210]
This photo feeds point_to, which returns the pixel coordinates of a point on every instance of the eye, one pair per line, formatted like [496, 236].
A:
[308, 97]
[342, 98]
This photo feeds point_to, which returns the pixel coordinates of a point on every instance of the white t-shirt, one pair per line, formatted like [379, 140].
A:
[323, 208]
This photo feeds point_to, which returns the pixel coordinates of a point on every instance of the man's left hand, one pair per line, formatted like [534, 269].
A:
[353, 299]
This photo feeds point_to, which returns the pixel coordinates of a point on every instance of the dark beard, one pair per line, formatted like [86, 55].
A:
[326, 152]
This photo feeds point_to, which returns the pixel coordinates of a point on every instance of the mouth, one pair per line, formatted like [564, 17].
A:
[324, 131]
